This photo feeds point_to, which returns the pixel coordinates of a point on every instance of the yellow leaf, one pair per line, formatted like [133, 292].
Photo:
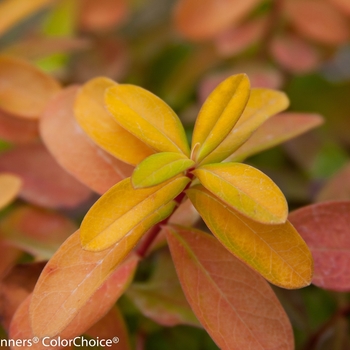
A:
[122, 208]
[245, 189]
[277, 252]
[147, 117]
[262, 104]
[9, 188]
[158, 168]
[220, 113]
[101, 127]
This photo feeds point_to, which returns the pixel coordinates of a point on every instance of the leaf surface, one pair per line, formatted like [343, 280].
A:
[161, 298]
[93, 118]
[72, 277]
[262, 104]
[158, 168]
[235, 305]
[74, 150]
[219, 114]
[245, 189]
[9, 256]
[122, 208]
[326, 230]
[277, 252]
[10, 186]
[274, 131]
[147, 117]
[24, 89]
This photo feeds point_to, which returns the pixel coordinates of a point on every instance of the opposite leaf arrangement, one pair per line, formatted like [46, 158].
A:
[242, 207]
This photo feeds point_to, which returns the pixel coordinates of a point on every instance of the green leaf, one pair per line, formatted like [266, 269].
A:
[147, 117]
[277, 252]
[122, 208]
[245, 189]
[219, 114]
[158, 168]
[262, 104]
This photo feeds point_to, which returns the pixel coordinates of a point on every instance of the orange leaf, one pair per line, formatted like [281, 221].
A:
[235, 305]
[326, 230]
[9, 256]
[72, 277]
[74, 150]
[10, 186]
[24, 90]
[45, 183]
[343, 5]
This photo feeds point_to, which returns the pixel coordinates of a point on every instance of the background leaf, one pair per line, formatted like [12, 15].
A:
[224, 292]
[10, 186]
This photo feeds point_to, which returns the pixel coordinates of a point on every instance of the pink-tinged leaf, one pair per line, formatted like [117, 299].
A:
[295, 54]
[274, 131]
[234, 304]
[45, 183]
[72, 277]
[343, 5]
[102, 15]
[9, 256]
[337, 188]
[24, 89]
[17, 130]
[326, 230]
[37, 231]
[10, 186]
[277, 252]
[319, 21]
[161, 298]
[237, 39]
[109, 326]
[197, 20]
[74, 150]
[15, 287]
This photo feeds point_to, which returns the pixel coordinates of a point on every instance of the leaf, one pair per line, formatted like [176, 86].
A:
[276, 130]
[277, 252]
[103, 15]
[122, 208]
[161, 298]
[45, 183]
[37, 231]
[219, 114]
[147, 117]
[101, 127]
[9, 256]
[313, 20]
[74, 151]
[199, 21]
[338, 186]
[262, 104]
[10, 186]
[24, 89]
[326, 230]
[13, 11]
[245, 189]
[235, 305]
[72, 277]
[95, 309]
[342, 5]
[158, 168]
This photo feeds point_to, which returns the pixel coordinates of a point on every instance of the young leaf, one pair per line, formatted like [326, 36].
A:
[45, 183]
[10, 186]
[24, 90]
[71, 278]
[122, 208]
[262, 104]
[158, 168]
[274, 131]
[326, 230]
[235, 305]
[220, 113]
[147, 117]
[245, 189]
[74, 150]
[161, 298]
[277, 252]
[101, 127]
